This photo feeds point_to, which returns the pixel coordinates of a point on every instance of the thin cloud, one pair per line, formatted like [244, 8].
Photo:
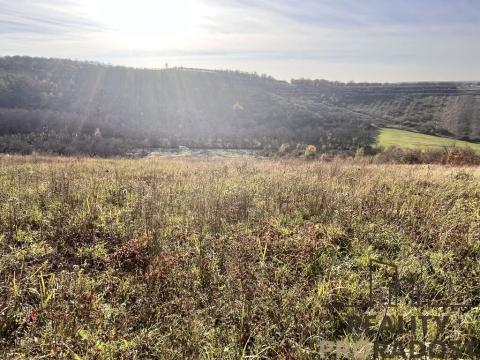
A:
[353, 13]
[44, 17]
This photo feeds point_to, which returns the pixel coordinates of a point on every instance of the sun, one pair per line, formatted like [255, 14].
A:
[150, 24]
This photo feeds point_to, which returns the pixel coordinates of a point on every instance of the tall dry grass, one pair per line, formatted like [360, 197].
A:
[223, 259]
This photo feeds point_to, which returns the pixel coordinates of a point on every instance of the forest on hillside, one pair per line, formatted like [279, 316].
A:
[70, 107]
[447, 109]
[76, 107]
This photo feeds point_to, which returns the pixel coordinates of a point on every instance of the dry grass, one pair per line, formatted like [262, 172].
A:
[194, 258]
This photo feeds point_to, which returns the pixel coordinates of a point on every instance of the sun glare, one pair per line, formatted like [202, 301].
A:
[150, 24]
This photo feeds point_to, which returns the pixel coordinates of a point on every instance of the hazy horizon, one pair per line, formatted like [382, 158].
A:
[374, 41]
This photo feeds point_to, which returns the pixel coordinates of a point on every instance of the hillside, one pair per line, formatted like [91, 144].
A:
[73, 107]
[444, 109]
[66, 102]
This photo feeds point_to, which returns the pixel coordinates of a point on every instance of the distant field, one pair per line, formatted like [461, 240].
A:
[409, 139]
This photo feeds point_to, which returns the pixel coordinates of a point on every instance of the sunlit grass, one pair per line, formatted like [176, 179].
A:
[221, 259]
[408, 139]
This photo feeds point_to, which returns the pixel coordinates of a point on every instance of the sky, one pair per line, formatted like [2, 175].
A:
[345, 40]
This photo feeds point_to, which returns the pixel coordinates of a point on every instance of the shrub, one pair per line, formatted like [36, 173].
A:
[284, 148]
[359, 153]
[310, 151]
[452, 155]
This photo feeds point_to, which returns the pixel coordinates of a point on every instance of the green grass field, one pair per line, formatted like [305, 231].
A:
[408, 139]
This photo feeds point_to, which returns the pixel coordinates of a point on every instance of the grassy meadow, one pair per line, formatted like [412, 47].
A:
[412, 140]
[242, 258]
